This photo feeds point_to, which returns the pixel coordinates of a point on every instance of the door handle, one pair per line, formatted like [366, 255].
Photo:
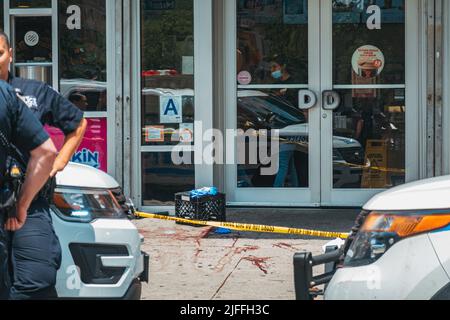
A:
[307, 99]
[331, 100]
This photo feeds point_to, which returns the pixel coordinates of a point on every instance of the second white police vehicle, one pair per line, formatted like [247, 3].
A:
[400, 253]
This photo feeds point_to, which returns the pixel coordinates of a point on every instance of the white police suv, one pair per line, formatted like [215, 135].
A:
[102, 256]
[400, 253]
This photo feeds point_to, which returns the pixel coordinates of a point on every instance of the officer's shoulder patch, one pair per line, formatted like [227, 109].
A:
[30, 101]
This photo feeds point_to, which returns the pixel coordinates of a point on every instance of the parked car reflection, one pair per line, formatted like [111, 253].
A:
[259, 110]
[95, 93]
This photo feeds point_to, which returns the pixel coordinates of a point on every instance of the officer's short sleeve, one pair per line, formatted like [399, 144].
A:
[65, 115]
[27, 132]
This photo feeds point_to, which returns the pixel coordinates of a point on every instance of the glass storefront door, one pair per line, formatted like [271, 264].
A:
[337, 79]
[370, 60]
[277, 57]
[174, 86]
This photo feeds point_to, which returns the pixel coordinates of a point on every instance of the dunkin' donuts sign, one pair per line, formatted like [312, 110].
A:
[93, 150]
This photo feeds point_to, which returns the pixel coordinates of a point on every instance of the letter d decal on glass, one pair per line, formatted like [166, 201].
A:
[306, 99]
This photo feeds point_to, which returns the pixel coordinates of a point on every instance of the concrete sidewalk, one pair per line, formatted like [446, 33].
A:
[189, 263]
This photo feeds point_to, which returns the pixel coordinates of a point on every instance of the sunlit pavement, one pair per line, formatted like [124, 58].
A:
[191, 263]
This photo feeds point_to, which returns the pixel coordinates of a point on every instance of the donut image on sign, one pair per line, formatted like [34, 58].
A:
[368, 62]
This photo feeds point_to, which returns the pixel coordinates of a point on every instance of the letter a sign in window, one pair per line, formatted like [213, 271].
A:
[171, 109]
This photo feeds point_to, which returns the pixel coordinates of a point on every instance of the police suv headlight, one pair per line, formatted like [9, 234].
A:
[86, 205]
[383, 230]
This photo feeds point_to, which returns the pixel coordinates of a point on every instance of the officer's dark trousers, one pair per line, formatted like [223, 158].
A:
[4, 270]
[35, 256]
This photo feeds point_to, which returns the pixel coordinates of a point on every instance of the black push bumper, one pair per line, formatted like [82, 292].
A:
[145, 275]
[305, 282]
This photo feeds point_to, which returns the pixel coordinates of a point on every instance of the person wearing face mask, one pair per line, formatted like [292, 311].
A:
[281, 75]
[287, 167]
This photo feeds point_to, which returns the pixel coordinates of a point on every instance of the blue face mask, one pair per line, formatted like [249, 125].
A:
[277, 74]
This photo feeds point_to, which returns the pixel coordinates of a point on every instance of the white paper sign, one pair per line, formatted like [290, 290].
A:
[186, 132]
[171, 109]
[154, 134]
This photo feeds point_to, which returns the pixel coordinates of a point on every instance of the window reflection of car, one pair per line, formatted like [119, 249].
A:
[94, 91]
[258, 110]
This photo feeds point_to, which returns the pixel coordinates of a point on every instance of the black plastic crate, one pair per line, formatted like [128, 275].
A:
[205, 208]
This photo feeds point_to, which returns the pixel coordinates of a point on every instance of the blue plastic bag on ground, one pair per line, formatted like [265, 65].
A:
[222, 231]
[204, 192]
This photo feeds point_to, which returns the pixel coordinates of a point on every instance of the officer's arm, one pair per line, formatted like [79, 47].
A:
[71, 144]
[38, 171]
[69, 118]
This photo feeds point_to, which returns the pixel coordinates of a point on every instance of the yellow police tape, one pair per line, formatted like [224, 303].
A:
[249, 227]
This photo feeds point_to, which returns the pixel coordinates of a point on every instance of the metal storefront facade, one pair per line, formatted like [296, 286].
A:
[187, 50]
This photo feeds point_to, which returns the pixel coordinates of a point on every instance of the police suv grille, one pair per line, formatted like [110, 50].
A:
[88, 258]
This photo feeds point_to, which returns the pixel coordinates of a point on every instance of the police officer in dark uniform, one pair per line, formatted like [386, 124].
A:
[19, 127]
[36, 251]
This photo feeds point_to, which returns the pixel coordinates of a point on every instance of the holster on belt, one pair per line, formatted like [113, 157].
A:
[11, 189]
[48, 190]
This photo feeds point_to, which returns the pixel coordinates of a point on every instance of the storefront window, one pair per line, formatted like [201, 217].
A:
[161, 179]
[356, 27]
[369, 126]
[269, 28]
[369, 139]
[266, 109]
[168, 97]
[30, 4]
[33, 39]
[82, 65]
[272, 51]
[167, 71]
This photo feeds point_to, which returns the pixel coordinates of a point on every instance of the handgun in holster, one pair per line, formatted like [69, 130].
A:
[47, 192]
